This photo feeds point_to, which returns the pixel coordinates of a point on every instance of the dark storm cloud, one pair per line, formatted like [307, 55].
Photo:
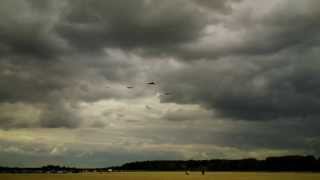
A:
[289, 24]
[51, 85]
[53, 31]
[221, 6]
[35, 84]
[271, 73]
[238, 62]
[259, 88]
[49, 29]
[59, 115]
[31, 81]
[30, 31]
[134, 24]
[52, 51]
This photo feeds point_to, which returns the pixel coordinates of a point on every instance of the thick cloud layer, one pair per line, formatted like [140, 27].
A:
[270, 71]
[146, 24]
[258, 88]
[230, 75]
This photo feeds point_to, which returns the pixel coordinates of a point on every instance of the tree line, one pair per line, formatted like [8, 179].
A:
[284, 163]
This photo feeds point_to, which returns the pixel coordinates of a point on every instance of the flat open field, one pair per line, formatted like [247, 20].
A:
[165, 176]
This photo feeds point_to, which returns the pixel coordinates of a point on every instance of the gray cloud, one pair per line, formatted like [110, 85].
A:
[49, 86]
[30, 32]
[61, 115]
[135, 24]
[66, 64]
[269, 73]
[252, 89]
[218, 5]
[287, 24]
[186, 115]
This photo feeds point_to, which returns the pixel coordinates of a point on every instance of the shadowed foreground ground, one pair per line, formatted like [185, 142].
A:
[165, 176]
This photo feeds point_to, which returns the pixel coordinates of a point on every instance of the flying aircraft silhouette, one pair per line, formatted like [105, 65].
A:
[151, 83]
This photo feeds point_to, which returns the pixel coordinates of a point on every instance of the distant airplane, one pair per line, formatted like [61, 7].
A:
[129, 87]
[151, 83]
[167, 94]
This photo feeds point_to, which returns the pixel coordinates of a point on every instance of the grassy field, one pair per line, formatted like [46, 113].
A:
[165, 176]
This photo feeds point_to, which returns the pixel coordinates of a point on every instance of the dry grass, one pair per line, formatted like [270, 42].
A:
[165, 176]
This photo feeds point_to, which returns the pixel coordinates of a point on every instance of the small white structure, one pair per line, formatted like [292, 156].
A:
[109, 170]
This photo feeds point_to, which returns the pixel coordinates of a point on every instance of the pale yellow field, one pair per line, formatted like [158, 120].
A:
[165, 176]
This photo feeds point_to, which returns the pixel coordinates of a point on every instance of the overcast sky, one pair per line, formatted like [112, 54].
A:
[233, 79]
